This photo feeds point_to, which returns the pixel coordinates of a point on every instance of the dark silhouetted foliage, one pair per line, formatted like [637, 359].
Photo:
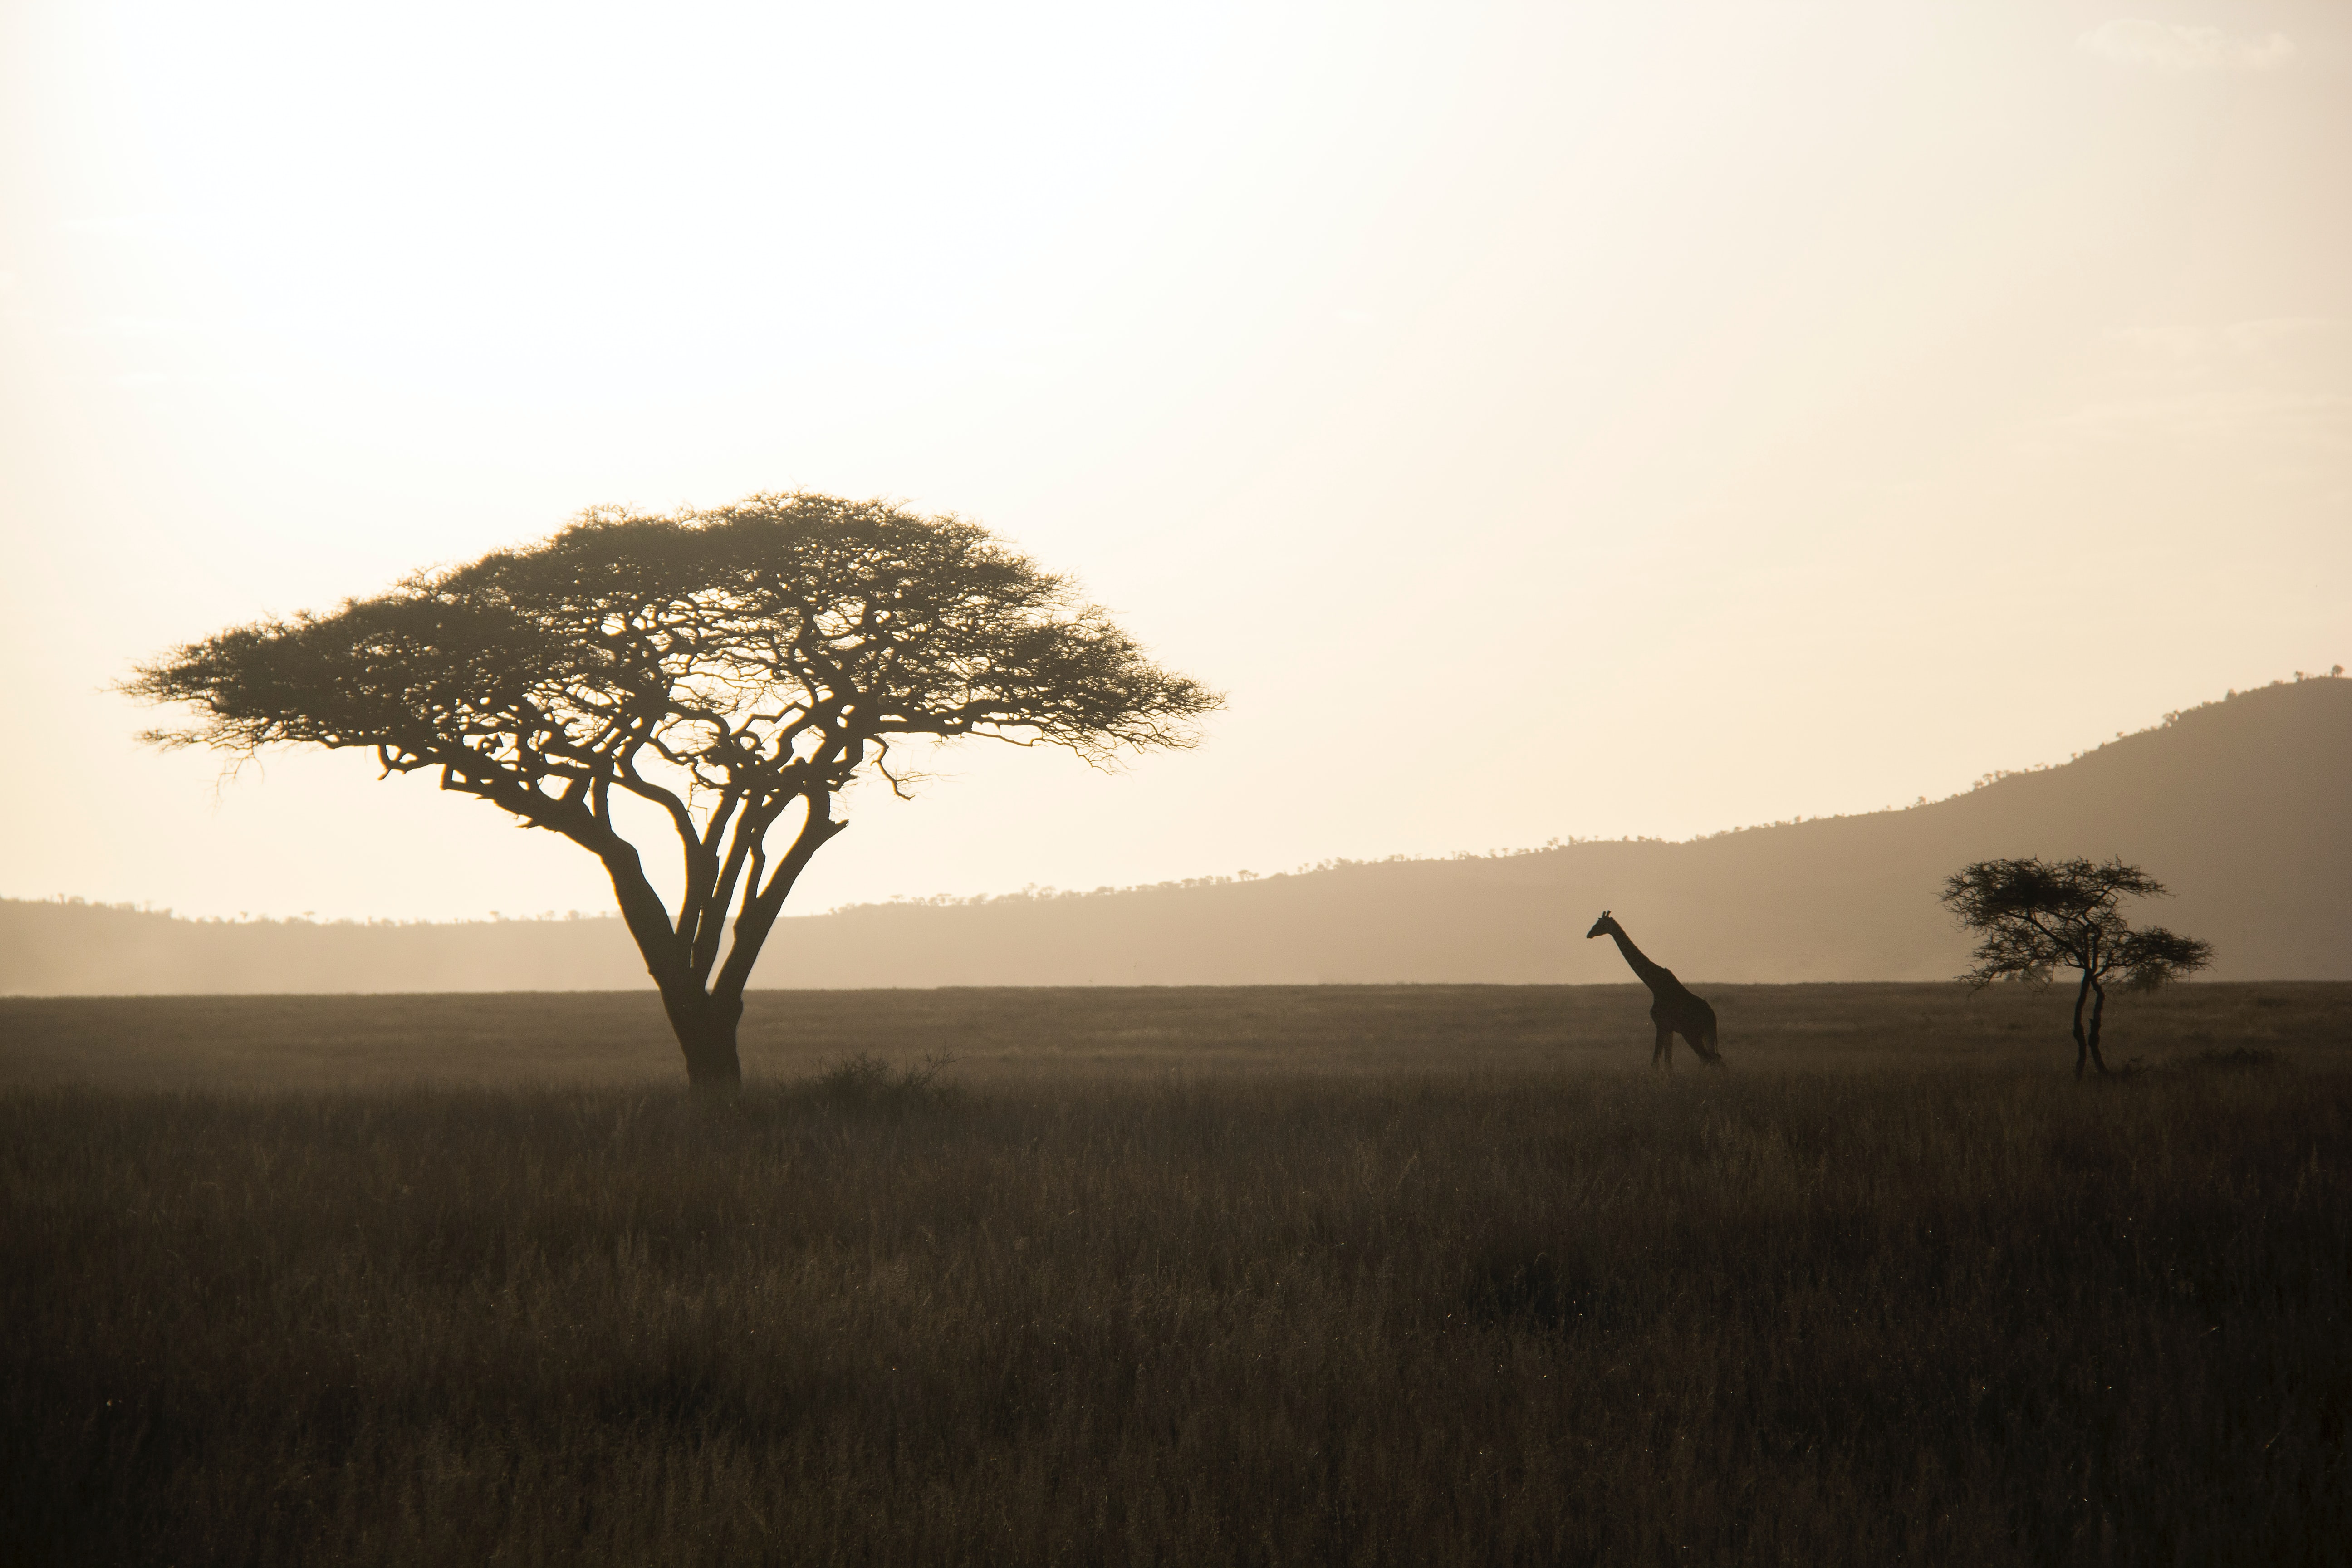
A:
[2038, 916]
[733, 669]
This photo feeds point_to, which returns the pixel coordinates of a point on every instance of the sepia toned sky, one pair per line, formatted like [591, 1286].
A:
[1542, 420]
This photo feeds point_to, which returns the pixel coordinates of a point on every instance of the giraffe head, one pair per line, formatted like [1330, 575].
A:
[1604, 926]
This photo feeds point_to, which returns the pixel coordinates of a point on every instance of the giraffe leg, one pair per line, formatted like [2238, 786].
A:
[1662, 1053]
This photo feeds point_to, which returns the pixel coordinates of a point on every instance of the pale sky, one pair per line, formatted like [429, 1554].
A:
[1542, 420]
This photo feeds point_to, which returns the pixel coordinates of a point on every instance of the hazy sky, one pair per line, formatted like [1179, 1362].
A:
[1543, 420]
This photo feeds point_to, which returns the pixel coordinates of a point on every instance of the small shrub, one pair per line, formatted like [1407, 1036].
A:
[863, 1081]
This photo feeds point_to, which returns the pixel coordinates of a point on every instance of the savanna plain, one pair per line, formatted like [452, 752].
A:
[1324, 1274]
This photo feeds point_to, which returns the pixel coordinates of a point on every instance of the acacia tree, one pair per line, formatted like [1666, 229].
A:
[2037, 917]
[735, 670]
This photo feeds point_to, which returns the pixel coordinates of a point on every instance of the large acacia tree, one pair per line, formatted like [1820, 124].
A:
[734, 669]
[2038, 916]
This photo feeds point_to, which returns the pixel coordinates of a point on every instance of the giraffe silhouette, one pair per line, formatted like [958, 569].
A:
[1673, 1008]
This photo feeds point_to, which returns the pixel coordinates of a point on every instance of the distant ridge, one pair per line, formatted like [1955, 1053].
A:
[2242, 806]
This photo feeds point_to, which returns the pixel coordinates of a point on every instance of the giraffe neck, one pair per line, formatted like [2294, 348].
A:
[1648, 973]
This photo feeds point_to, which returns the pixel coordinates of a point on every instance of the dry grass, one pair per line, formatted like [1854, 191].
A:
[1356, 1298]
[538, 1039]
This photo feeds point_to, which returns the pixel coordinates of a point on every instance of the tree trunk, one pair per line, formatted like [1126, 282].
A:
[705, 1021]
[704, 1024]
[705, 1027]
[2098, 1010]
[2082, 1040]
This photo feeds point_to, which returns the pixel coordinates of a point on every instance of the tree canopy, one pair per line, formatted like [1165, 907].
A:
[734, 669]
[2038, 916]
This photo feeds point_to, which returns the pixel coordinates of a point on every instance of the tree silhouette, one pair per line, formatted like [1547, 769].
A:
[733, 669]
[2039, 916]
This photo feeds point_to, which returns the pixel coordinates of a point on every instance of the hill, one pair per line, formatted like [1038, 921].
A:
[2240, 805]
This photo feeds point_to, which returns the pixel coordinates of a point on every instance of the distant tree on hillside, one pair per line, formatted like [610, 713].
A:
[733, 669]
[2037, 917]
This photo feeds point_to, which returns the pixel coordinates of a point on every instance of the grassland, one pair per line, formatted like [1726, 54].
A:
[1420, 1275]
[1054, 1036]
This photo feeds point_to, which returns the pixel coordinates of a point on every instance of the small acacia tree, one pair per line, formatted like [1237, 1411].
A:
[735, 670]
[2038, 916]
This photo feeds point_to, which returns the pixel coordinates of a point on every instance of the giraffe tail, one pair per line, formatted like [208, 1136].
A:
[1705, 1047]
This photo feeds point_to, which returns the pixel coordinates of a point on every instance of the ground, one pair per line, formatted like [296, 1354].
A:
[1327, 1274]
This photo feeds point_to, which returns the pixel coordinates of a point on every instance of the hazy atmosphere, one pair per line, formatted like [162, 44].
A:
[1712, 921]
[1537, 420]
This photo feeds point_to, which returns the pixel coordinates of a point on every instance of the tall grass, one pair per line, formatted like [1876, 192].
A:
[1934, 1317]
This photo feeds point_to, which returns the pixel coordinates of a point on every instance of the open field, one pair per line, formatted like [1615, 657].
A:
[275, 1043]
[1408, 1275]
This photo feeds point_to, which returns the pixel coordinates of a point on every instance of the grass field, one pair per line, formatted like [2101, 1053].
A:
[1056, 1036]
[1412, 1275]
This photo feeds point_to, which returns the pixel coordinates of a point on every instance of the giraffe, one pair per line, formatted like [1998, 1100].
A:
[1673, 1008]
